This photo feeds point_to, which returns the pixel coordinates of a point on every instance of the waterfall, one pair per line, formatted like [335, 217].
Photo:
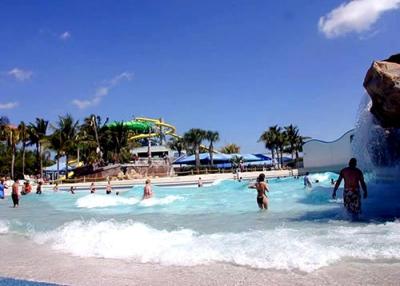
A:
[377, 149]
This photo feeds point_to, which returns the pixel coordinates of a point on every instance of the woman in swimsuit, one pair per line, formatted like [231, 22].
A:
[261, 187]
[108, 188]
[92, 188]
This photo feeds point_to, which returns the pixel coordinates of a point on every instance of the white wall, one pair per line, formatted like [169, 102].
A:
[324, 156]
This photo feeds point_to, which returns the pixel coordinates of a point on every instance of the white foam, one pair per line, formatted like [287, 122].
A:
[154, 201]
[322, 177]
[4, 227]
[102, 201]
[306, 249]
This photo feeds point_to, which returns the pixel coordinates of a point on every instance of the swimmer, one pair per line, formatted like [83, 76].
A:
[353, 178]
[72, 190]
[15, 193]
[39, 188]
[199, 183]
[332, 182]
[108, 188]
[147, 191]
[307, 182]
[262, 188]
[3, 187]
[92, 188]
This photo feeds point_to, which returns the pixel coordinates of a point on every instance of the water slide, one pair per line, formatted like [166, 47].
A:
[144, 126]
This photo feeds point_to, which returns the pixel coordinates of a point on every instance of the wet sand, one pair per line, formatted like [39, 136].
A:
[21, 258]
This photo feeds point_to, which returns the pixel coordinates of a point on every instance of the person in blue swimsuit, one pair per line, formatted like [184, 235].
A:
[2, 189]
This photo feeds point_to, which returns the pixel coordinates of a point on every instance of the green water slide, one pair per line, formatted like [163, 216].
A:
[133, 125]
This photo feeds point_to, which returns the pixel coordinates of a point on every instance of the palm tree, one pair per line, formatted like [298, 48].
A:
[230, 149]
[23, 132]
[119, 137]
[96, 137]
[68, 129]
[12, 139]
[37, 134]
[177, 144]
[194, 137]
[281, 143]
[4, 122]
[292, 133]
[212, 137]
[55, 144]
[270, 139]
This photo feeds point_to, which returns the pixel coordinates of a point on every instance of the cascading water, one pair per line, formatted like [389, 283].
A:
[376, 148]
[376, 141]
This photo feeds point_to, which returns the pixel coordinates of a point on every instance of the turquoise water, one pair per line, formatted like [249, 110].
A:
[303, 229]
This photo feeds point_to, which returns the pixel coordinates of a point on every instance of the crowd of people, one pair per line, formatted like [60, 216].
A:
[352, 176]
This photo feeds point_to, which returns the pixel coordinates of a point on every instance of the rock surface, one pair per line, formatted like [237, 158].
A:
[382, 83]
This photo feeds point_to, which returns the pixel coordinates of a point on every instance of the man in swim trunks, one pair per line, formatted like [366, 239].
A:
[262, 187]
[39, 188]
[15, 193]
[147, 191]
[353, 178]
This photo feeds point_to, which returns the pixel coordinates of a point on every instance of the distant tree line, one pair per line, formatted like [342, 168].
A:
[25, 148]
[283, 140]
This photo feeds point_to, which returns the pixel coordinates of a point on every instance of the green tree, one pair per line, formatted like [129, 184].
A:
[193, 138]
[119, 138]
[24, 136]
[67, 128]
[177, 144]
[37, 134]
[211, 137]
[230, 149]
[13, 140]
[270, 138]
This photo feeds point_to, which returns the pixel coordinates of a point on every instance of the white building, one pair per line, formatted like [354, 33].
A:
[322, 156]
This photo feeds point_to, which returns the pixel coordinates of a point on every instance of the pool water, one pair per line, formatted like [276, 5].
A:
[303, 229]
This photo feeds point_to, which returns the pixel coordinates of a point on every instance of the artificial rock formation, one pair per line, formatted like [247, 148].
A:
[382, 83]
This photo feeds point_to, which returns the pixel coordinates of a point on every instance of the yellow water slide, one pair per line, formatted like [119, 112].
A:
[170, 129]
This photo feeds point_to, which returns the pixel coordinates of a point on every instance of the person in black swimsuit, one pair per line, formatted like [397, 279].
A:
[261, 187]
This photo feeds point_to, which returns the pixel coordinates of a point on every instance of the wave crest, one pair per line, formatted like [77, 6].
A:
[283, 248]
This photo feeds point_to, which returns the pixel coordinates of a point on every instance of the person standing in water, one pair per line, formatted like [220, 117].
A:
[92, 188]
[307, 182]
[108, 188]
[15, 193]
[39, 188]
[147, 191]
[199, 183]
[262, 187]
[353, 178]
[3, 188]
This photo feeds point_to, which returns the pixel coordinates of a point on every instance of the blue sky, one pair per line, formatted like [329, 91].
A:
[233, 66]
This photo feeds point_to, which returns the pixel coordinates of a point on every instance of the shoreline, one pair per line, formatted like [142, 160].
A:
[188, 180]
[183, 180]
[35, 262]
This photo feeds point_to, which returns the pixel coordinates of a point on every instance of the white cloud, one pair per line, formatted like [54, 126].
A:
[8, 105]
[355, 16]
[65, 36]
[102, 91]
[20, 74]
